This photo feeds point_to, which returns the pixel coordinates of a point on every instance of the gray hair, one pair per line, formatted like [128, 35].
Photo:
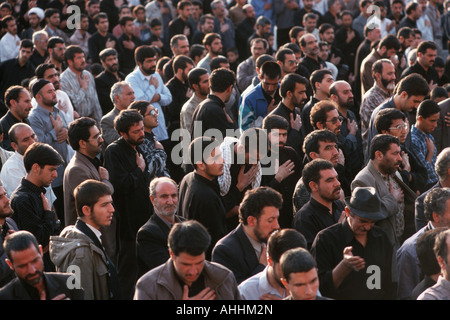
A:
[117, 89]
[154, 183]
[38, 35]
[442, 163]
[436, 201]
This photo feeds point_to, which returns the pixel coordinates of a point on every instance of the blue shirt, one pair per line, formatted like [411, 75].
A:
[143, 90]
[419, 147]
[39, 119]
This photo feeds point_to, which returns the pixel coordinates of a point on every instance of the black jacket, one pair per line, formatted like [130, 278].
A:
[56, 284]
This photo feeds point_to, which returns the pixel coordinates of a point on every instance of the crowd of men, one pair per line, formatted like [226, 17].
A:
[258, 150]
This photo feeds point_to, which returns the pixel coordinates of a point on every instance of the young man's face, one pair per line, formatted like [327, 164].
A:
[33, 20]
[148, 66]
[5, 206]
[329, 187]
[216, 47]
[257, 49]
[102, 212]
[25, 53]
[151, 117]
[266, 224]
[186, 13]
[299, 95]
[79, 62]
[270, 86]
[23, 104]
[135, 135]
[102, 25]
[399, 128]
[188, 267]
[47, 174]
[277, 138]
[48, 95]
[410, 103]
[213, 165]
[427, 59]
[328, 150]
[303, 285]
[390, 162]
[203, 85]
[289, 64]
[156, 31]
[111, 63]
[208, 26]
[58, 52]
[128, 29]
[428, 125]
[94, 143]
[333, 122]
[54, 20]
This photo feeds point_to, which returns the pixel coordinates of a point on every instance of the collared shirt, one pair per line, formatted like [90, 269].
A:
[314, 217]
[245, 73]
[13, 171]
[440, 291]
[328, 249]
[256, 286]
[81, 40]
[187, 111]
[29, 213]
[7, 122]
[371, 99]
[9, 47]
[143, 90]
[257, 246]
[97, 232]
[419, 147]
[42, 126]
[429, 75]
[84, 101]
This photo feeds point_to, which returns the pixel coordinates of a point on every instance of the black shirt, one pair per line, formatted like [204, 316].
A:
[7, 122]
[314, 217]
[172, 111]
[295, 137]
[199, 199]
[285, 187]
[12, 73]
[211, 113]
[430, 75]
[103, 84]
[328, 249]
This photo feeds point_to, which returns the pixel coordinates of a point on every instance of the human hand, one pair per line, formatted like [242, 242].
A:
[296, 123]
[103, 173]
[205, 294]
[245, 179]
[397, 193]
[140, 161]
[353, 262]
[285, 170]
[45, 202]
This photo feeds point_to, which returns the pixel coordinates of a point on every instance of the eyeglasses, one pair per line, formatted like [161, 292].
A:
[98, 138]
[400, 127]
[336, 119]
[153, 113]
